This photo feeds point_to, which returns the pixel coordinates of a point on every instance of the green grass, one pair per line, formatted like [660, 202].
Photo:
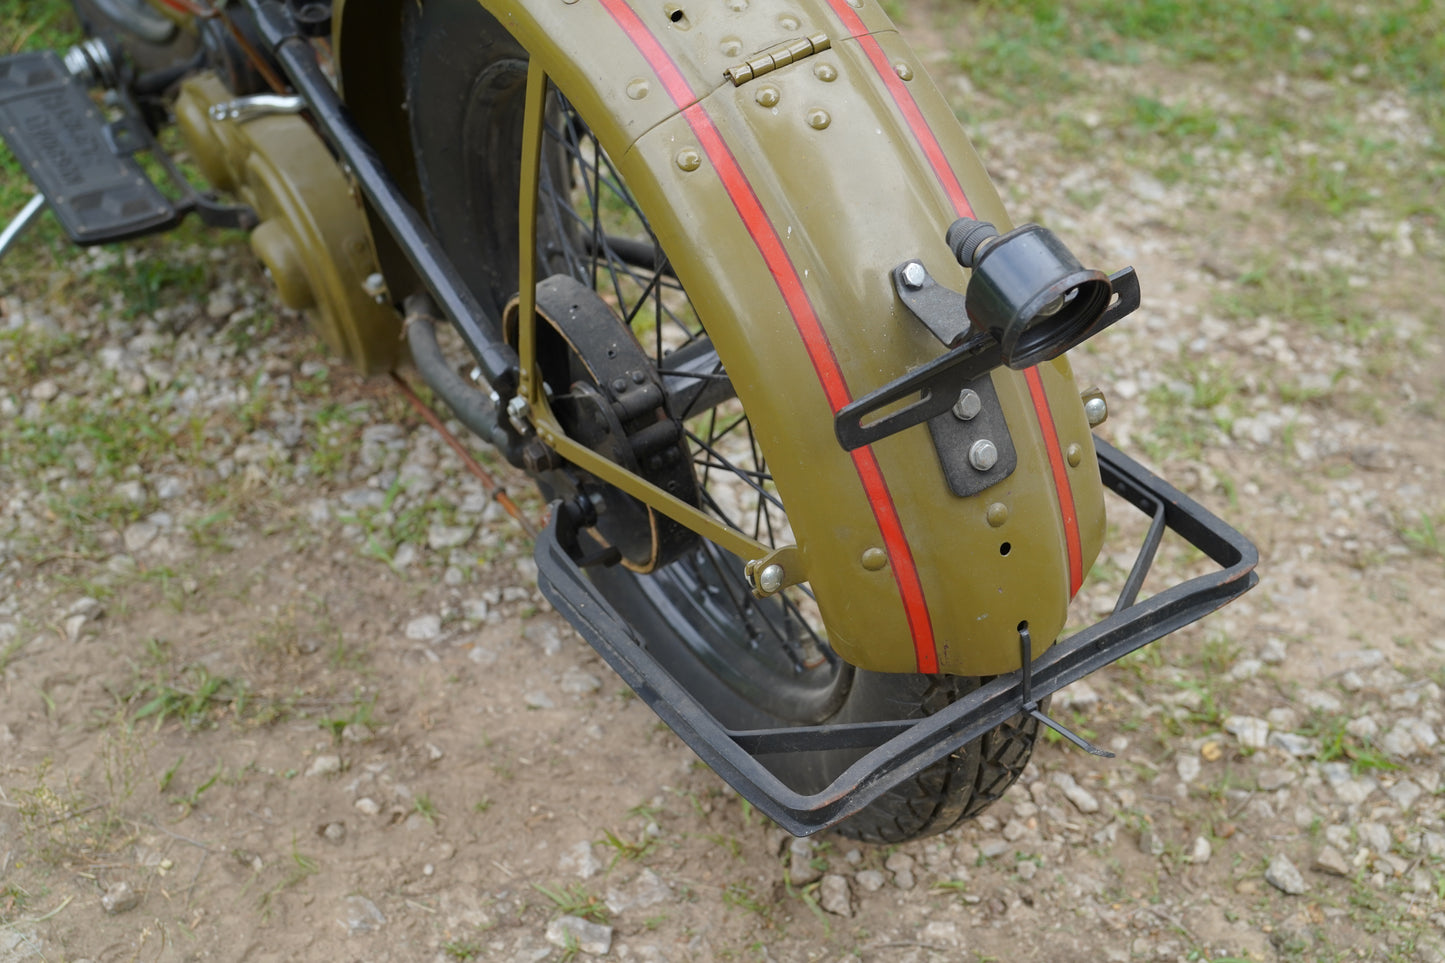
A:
[624, 848]
[575, 900]
[1056, 55]
[1422, 535]
[1337, 743]
[197, 703]
[30, 25]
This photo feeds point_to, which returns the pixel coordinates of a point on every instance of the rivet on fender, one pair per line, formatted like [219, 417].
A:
[1075, 454]
[638, 88]
[903, 71]
[827, 73]
[689, 159]
[819, 119]
[875, 559]
[768, 96]
[996, 514]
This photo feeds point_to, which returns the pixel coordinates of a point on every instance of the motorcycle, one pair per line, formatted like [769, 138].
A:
[735, 292]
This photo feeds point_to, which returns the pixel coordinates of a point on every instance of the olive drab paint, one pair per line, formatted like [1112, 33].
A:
[783, 203]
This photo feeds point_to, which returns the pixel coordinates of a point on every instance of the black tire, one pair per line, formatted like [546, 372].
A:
[752, 663]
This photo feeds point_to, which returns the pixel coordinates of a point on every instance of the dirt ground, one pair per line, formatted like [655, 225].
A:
[276, 682]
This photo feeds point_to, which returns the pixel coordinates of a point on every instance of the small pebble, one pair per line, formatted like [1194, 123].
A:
[1283, 876]
[835, 896]
[324, 766]
[594, 939]
[119, 898]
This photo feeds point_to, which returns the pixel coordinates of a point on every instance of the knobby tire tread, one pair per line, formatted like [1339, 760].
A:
[954, 789]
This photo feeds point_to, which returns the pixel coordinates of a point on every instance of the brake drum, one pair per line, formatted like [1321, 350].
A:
[313, 237]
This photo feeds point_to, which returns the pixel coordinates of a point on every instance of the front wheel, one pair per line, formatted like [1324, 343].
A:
[752, 663]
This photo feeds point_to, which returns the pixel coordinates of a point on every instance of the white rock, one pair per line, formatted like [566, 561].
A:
[1432, 844]
[577, 682]
[324, 766]
[362, 916]
[1252, 733]
[119, 898]
[89, 607]
[168, 487]
[1082, 799]
[424, 628]
[74, 626]
[594, 939]
[138, 535]
[1273, 652]
[1284, 876]
[367, 806]
[1296, 745]
[870, 880]
[1375, 836]
[942, 931]
[580, 861]
[1245, 669]
[1187, 765]
[1410, 737]
[404, 557]
[220, 305]
[1323, 701]
[1329, 860]
[801, 868]
[442, 537]
[835, 896]
[645, 891]
[1201, 851]
[1079, 695]
[1363, 727]
[1282, 719]
[1404, 793]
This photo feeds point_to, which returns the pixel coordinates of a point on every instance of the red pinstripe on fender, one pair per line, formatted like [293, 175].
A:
[923, 134]
[815, 339]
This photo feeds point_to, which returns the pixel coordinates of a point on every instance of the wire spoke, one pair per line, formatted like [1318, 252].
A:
[596, 232]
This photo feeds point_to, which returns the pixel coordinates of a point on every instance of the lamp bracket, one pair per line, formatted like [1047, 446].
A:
[937, 383]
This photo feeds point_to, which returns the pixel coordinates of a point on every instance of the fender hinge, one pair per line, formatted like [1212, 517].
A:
[779, 56]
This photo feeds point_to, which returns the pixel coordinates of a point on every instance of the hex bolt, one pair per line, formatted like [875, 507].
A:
[519, 412]
[1096, 409]
[968, 405]
[914, 274]
[983, 454]
[770, 579]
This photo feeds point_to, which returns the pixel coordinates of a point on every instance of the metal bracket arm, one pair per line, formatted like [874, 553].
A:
[938, 382]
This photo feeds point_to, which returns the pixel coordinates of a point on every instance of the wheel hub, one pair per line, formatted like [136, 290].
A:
[606, 394]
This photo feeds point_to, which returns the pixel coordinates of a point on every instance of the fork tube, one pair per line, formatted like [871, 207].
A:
[534, 117]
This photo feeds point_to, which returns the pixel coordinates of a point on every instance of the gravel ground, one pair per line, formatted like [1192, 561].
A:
[277, 683]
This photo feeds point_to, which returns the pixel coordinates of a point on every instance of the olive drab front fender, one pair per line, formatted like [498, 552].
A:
[783, 202]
